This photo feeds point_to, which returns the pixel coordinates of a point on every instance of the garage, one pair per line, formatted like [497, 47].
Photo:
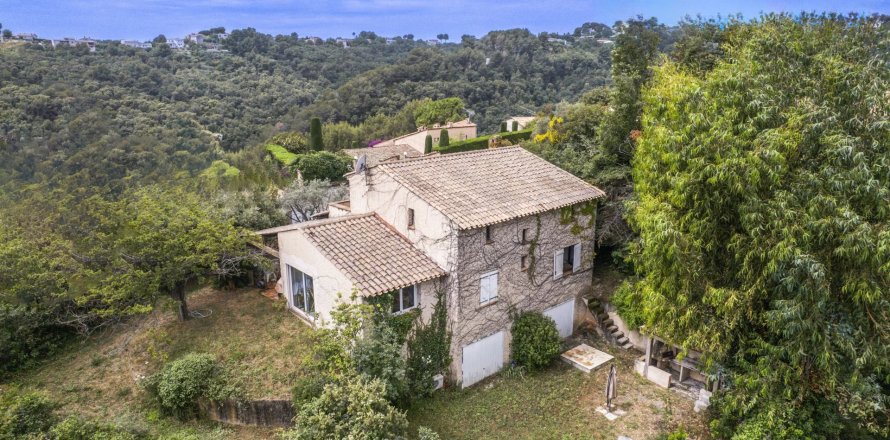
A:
[482, 358]
[564, 316]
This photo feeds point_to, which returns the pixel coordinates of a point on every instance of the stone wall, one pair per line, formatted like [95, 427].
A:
[251, 413]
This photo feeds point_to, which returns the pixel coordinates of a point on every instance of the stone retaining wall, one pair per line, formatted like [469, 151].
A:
[253, 413]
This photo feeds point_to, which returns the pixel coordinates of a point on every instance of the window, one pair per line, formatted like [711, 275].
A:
[488, 287]
[524, 236]
[566, 260]
[405, 299]
[302, 291]
[523, 262]
[488, 234]
[410, 218]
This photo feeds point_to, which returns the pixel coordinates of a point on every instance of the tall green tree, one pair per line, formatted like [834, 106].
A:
[170, 241]
[428, 144]
[443, 138]
[315, 138]
[763, 207]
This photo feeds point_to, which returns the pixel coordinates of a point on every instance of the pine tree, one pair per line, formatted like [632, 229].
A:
[428, 145]
[443, 138]
[315, 140]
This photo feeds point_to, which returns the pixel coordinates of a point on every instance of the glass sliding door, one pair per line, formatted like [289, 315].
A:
[302, 291]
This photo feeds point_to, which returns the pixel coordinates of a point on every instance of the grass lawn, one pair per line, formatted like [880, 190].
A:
[261, 343]
[558, 403]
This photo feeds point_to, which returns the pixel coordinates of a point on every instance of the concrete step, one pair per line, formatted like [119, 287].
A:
[602, 316]
[618, 335]
[612, 328]
[608, 321]
[623, 340]
[627, 346]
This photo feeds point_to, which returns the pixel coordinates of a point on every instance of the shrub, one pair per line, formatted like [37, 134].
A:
[428, 144]
[515, 126]
[535, 340]
[379, 355]
[352, 407]
[28, 334]
[503, 126]
[308, 388]
[629, 305]
[182, 382]
[443, 138]
[481, 143]
[24, 415]
[76, 428]
[424, 433]
[322, 165]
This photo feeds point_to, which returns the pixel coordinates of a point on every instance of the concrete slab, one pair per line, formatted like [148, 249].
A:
[610, 415]
[586, 358]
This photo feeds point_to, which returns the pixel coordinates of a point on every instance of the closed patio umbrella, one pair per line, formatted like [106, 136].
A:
[611, 387]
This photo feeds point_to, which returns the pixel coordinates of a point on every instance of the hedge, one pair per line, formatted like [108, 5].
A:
[281, 154]
[481, 143]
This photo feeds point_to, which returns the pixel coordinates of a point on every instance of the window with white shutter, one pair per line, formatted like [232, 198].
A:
[488, 287]
[557, 264]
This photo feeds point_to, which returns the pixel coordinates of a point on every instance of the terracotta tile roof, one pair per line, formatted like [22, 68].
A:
[376, 155]
[375, 257]
[484, 187]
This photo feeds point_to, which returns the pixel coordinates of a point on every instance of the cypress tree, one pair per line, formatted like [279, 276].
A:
[428, 145]
[443, 138]
[515, 125]
[503, 126]
[315, 140]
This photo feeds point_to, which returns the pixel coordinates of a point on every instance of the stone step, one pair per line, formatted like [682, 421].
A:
[602, 316]
[618, 335]
[593, 303]
[627, 346]
[623, 340]
[608, 321]
[612, 328]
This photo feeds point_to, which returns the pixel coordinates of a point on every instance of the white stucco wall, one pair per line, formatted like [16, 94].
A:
[296, 251]
[417, 140]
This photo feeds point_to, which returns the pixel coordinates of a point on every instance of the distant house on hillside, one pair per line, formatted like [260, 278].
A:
[521, 122]
[74, 42]
[343, 41]
[136, 44]
[176, 43]
[26, 37]
[195, 38]
[457, 131]
[491, 232]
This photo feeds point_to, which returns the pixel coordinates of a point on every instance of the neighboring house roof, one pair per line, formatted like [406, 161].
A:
[459, 124]
[523, 119]
[484, 187]
[375, 257]
[376, 155]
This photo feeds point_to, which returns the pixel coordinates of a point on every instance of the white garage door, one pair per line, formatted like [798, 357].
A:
[564, 315]
[482, 358]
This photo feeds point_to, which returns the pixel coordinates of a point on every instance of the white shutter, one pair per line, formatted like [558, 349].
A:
[557, 265]
[488, 287]
[576, 262]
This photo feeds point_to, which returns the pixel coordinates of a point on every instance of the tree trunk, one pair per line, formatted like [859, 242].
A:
[178, 294]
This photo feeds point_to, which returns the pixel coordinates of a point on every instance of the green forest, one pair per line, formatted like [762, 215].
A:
[746, 165]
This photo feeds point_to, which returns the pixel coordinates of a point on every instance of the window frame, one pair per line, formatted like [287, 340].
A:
[487, 235]
[411, 218]
[559, 261]
[523, 262]
[482, 279]
[399, 294]
[523, 236]
[306, 295]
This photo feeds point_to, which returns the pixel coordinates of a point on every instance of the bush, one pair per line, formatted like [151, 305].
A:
[281, 154]
[322, 165]
[443, 138]
[428, 144]
[75, 428]
[629, 305]
[535, 340]
[353, 407]
[481, 143]
[379, 355]
[308, 388]
[182, 382]
[28, 334]
[24, 415]
[424, 433]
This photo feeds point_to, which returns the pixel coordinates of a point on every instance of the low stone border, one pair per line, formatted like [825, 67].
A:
[250, 413]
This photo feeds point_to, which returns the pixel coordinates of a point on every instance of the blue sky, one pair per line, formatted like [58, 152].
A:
[144, 19]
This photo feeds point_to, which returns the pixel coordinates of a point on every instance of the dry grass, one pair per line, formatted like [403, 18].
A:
[559, 403]
[261, 343]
